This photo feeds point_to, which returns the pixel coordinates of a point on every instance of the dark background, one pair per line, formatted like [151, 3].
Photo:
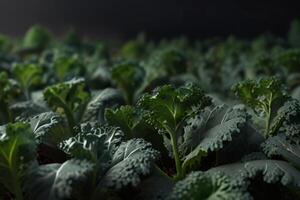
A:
[125, 18]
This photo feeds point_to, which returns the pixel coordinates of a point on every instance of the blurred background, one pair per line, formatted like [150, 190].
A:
[124, 19]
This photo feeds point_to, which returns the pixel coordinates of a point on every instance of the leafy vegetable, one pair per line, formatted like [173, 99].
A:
[263, 96]
[69, 96]
[271, 171]
[58, 181]
[134, 49]
[118, 164]
[280, 145]
[137, 125]
[36, 38]
[95, 109]
[49, 128]
[17, 150]
[5, 43]
[125, 117]
[8, 91]
[168, 108]
[28, 76]
[128, 77]
[208, 131]
[67, 67]
[200, 185]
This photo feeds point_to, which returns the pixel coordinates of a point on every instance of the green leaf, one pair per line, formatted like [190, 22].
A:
[56, 181]
[9, 90]
[289, 59]
[172, 60]
[49, 128]
[264, 96]
[132, 160]
[17, 149]
[25, 109]
[208, 131]
[106, 98]
[156, 186]
[27, 75]
[280, 145]
[134, 49]
[125, 117]
[94, 143]
[118, 165]
[271, 171]
[168, 108]
[287, 119]
[128, 77]
[5, 43]
[72, 39]
[200, 185]
[66, 67]
[71, 97]
[36, 38]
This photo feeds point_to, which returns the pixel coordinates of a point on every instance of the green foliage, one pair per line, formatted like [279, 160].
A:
[17, 150]
[9, 90]
[128, 76]
[66, 67]
[125, 117]
[138, 125]
[36, 38]
[92, 143]
[209, 131]
[168, 108]
[200, 185]
[117, 164]
[131, 160]
[95, 109]
[72, 39]
[289, 59]
[264, 97]
[70, 96]
[172, 60]
[58, 181]
[49, 128]
[5, 43]
[134, 49]
[270, 171]
[28, 75]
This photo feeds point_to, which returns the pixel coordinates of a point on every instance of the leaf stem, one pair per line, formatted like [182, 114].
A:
[268, 115]
[16, 185]
[129, 96]
[70, 118]
[27, 93]
[179, 172]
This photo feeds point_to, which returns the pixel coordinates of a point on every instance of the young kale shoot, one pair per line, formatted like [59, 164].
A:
[71, 96]
[264, 97]
[168, 108]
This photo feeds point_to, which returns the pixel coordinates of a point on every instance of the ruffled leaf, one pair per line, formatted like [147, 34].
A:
[209, 130]
[17, 150]
[58, 181]
[280, 145]
[132, 160]
[95, 109]
[206, 186]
